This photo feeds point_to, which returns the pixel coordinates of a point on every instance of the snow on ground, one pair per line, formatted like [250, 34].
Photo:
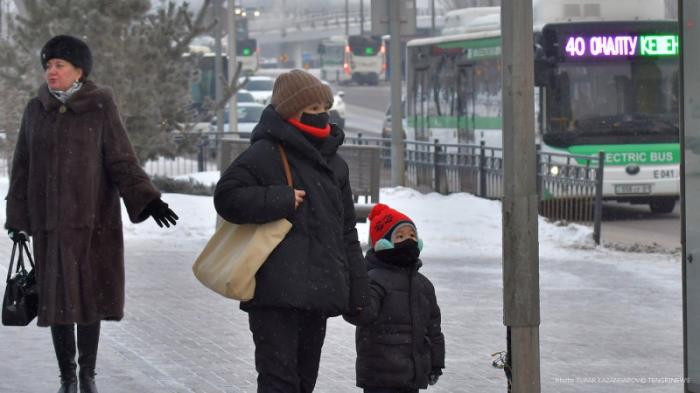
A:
[206, 178]
[451, 226]
[175, 167]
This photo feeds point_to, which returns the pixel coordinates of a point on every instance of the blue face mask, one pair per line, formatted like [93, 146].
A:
[318, 120]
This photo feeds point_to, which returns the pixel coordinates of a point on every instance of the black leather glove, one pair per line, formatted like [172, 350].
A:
[17, 235]
[161, 213]
[433, 376]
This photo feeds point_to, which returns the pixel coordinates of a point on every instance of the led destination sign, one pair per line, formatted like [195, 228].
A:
[611, 46]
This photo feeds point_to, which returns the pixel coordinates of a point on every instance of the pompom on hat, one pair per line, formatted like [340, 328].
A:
[383, 222]
[70, 49]
[295, 90]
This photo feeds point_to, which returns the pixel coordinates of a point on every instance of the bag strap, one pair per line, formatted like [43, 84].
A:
[12, 261]
[285, 162]
[29, 254]
[20, 260]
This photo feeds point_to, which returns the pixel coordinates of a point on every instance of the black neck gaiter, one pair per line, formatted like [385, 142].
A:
[404, 254]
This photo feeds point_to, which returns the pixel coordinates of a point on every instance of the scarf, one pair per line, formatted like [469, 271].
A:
[63, 96]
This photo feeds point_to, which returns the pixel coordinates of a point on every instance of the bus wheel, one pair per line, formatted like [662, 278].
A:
[662, 205]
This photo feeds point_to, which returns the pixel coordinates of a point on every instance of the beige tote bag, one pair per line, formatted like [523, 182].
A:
[228, 263]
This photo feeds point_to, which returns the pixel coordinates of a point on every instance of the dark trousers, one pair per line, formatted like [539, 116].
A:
[287, 348]
[389, 390]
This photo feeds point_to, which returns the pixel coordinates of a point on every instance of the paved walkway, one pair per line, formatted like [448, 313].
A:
[606, 325]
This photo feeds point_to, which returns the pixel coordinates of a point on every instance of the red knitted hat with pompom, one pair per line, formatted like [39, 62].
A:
[383, 220]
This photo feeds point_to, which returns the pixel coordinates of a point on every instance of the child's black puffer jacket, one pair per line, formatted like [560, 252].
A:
[399, 340]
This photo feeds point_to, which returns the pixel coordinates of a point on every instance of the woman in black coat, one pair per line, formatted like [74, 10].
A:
[317, 271]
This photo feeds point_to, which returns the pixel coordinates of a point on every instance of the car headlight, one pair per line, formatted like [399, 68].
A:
[554, 170]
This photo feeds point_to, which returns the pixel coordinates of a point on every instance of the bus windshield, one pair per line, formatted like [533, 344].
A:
[612, 102]
[364, 46]
[334, 54]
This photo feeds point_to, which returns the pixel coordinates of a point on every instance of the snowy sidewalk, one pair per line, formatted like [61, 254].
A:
[611, 321]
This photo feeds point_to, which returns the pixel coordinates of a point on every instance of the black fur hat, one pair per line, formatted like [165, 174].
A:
[68, 48]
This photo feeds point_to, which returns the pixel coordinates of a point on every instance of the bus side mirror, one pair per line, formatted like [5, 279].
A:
[542, 73]
[543, 67]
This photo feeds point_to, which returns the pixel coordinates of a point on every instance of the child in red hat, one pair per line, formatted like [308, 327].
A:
[399, 342]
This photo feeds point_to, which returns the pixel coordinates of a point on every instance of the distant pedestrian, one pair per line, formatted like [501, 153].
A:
[72, 161]
[399, 342]
[317, 271]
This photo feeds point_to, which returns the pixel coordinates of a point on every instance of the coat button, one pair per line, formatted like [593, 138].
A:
[62, 109]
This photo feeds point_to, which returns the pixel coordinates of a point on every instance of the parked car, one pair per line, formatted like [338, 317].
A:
[337, 112]
[260, 87]
[248, 116]
[244, 96]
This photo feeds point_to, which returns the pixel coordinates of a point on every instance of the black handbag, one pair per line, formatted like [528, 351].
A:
[19, 305]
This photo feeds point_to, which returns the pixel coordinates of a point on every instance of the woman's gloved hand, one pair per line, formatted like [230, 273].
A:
[161, 213]
[17, 235]
[434, 376]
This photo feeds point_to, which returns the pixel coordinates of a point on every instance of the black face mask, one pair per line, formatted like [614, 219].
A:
[404, 253]
[319, 120]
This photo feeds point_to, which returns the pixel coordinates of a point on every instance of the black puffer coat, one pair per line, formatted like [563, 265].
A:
[319, 264]
[399, 340]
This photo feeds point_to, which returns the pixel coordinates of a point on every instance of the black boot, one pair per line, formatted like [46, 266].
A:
[64, 344]
[88, 338]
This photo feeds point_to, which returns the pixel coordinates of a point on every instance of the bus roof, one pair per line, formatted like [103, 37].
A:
[467, 21]
[456, 37]
[336, 39]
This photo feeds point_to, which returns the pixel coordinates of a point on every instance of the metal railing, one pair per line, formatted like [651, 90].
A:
[569, 186]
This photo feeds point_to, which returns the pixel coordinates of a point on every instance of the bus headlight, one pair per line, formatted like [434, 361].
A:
[554, 170]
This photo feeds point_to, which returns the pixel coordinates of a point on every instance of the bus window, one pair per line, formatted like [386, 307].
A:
[364, 46]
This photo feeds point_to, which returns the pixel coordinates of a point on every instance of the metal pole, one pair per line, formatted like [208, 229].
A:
[218, 72]
[598, 212]
[686, 257]
[347, 18]
[521, 295]
[232, 65]
[432, 17]
[362, 17]
[397, 147]
[482, 169]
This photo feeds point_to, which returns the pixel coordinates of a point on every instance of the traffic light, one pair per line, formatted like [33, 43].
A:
[246, 47]
[369, 51]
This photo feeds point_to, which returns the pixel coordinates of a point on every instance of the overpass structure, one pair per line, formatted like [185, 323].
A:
[297, 36]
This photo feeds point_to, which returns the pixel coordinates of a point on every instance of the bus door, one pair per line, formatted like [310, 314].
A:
[420, 97]
[466, 103]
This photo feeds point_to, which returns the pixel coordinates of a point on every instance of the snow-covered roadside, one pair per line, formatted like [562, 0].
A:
[207, 178]
[452, 226]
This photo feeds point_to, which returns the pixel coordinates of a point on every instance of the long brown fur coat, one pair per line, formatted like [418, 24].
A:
[72, 162]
